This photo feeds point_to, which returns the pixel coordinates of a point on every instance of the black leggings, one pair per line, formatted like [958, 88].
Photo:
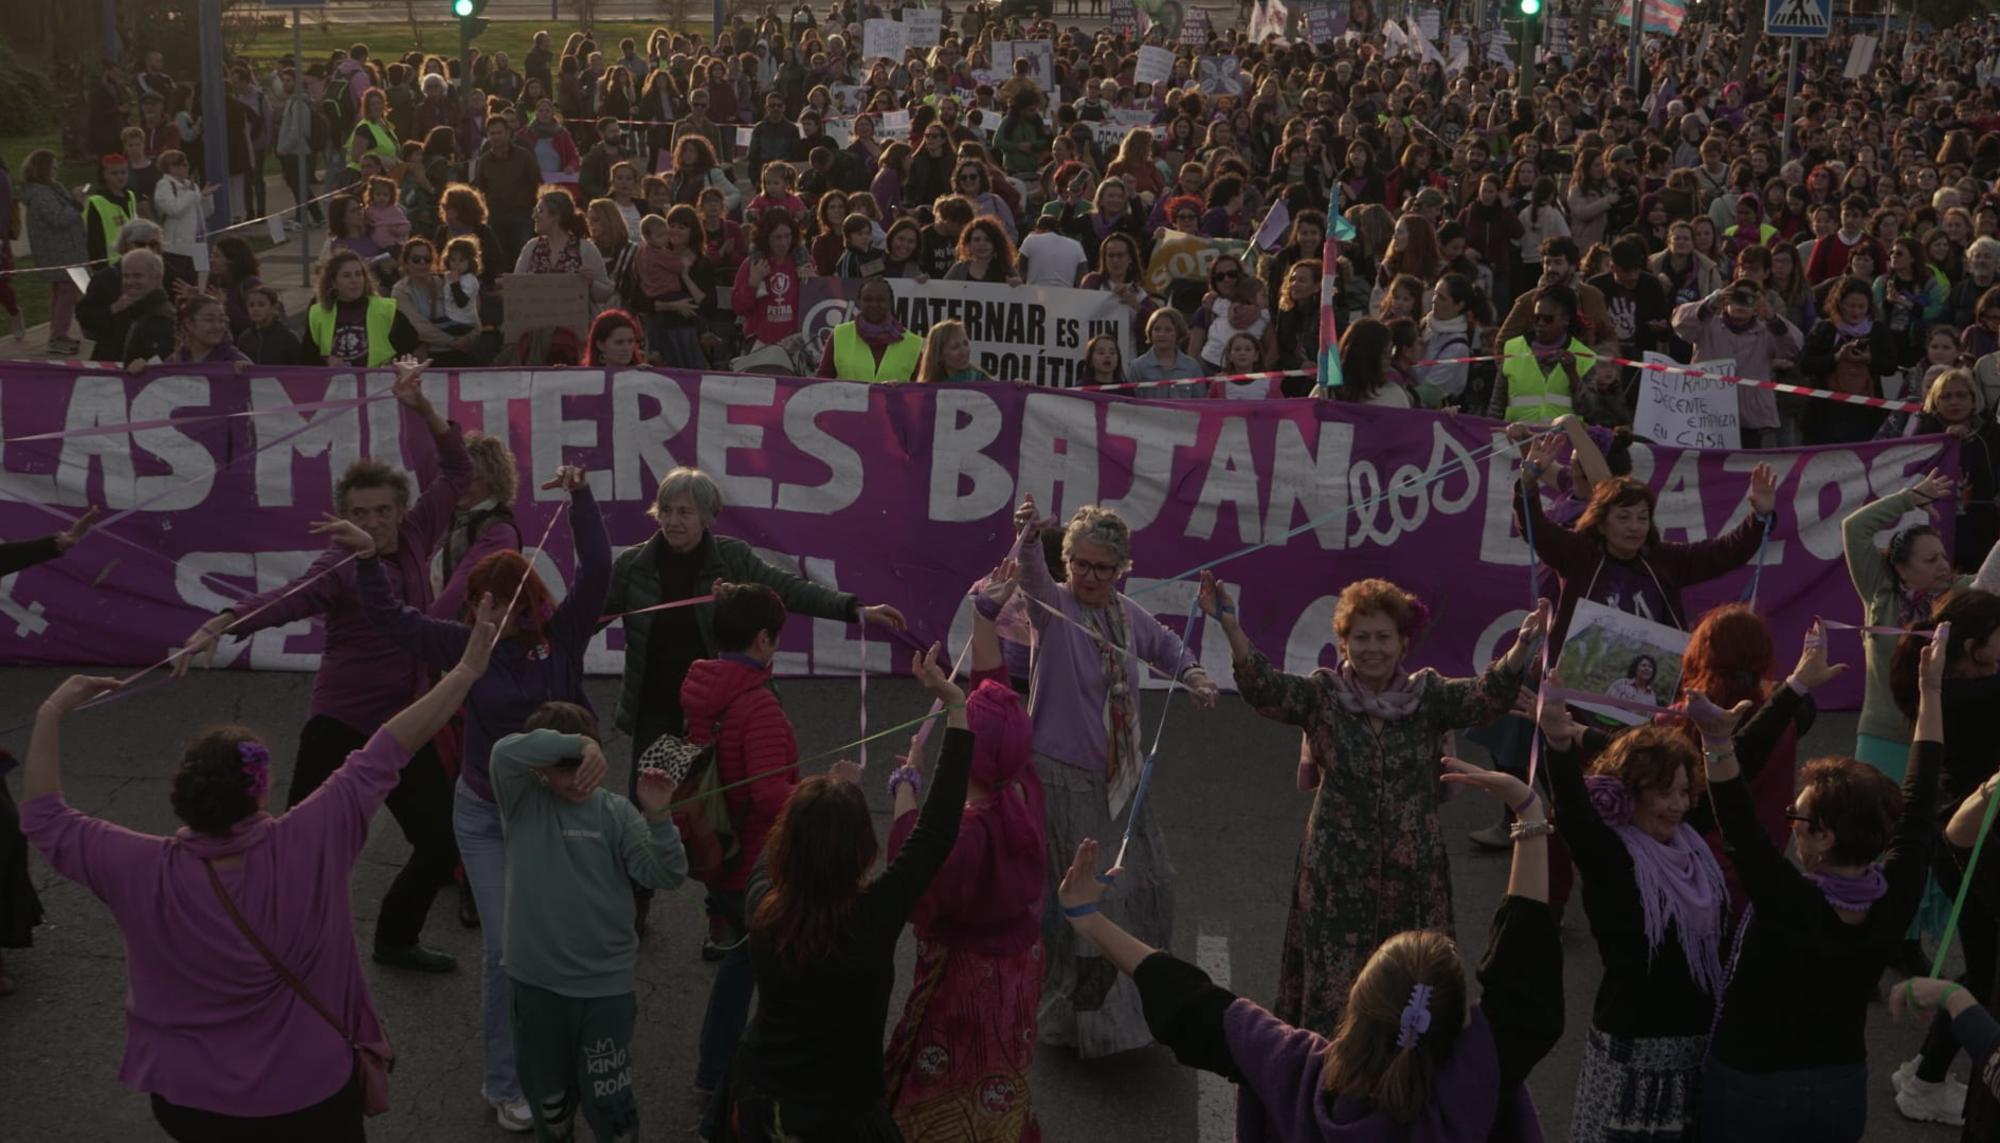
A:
[421, 803]
[1979, 933]
[335, 1119]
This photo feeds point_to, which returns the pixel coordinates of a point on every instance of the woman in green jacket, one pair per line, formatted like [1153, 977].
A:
[1022, 140]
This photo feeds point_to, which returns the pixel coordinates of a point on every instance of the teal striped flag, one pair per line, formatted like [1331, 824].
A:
[1337, 230]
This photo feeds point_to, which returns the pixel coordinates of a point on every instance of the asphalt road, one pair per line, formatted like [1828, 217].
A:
[1229, 809]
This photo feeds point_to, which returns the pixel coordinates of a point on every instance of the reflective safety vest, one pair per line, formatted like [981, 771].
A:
[855, 361]
[1534, 394]
[111, 215]
[385, 144]
[320, 322]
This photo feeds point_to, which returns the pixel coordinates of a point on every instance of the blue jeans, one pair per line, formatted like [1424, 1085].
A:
[729, 997]
[1827, 1105]
[482, 847]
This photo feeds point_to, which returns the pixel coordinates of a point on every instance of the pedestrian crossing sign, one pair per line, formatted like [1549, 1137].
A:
[1812, 18]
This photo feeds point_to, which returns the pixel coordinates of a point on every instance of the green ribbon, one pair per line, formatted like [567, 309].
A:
[1964, 886]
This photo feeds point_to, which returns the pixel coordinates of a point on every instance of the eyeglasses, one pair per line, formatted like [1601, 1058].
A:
[1228, 275]
[969, 177]
[1792, 814]
[1092, 568]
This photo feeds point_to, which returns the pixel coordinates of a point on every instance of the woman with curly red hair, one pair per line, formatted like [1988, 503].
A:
[1372, 863]
[616, 341]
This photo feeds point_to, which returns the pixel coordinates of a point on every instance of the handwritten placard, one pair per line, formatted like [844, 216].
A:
[1156, 65]
[884, 39]
[1687, 409]
[544, 301]
[925, 25]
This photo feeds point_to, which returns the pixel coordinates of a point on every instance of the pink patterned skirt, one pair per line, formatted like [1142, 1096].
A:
[959, 1058]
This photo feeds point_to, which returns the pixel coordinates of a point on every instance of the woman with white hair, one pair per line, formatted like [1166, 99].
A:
[1094, 646]
[680, 562]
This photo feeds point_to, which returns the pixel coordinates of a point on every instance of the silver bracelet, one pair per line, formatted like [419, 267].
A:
[1523, 829]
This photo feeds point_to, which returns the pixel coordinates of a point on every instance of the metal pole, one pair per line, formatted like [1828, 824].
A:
[305, 159]
[1791, 91]
[1530, 33]
[214, 111]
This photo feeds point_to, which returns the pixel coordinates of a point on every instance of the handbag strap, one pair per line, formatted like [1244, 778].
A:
[271, 958]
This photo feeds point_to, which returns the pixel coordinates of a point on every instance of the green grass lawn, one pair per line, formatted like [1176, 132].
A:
[440, 36]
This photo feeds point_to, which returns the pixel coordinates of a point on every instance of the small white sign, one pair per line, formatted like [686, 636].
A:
[1156, 66]
[1687, 409]
[884, 39]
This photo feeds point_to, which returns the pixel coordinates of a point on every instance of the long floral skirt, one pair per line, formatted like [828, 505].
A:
[1086, 1003]
[959, 1058]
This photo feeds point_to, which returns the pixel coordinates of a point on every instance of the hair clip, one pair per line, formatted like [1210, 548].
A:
[1416, 1018]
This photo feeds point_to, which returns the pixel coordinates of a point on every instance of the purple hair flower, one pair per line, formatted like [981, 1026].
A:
[256, 766]
[1611, 798]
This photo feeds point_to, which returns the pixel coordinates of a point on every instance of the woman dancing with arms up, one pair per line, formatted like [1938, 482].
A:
[1414, 1058]
[1372, 862]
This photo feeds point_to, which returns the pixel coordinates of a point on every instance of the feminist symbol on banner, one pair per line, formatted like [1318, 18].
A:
[28, 619]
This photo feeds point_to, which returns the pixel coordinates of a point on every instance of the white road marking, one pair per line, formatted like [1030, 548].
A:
[1215, 1097]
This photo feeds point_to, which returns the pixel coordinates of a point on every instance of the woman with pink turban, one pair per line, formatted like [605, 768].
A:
[959, 1059]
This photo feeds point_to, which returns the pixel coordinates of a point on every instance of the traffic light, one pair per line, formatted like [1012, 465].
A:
[1528, 7]
[468, 12]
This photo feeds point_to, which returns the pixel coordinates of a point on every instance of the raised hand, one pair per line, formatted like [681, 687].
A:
[928, 667]
[1216, 602]
[345, 533]
[1558, 727]
[1932, 487]
[1813, 671]
[569, 478]
[1930, 665]
[485, 633]
[656, 792]
[845, 770]
[1534, 628]
[1003, 581]
[409, 388]
[77, 690]
[1715, 723]
[202, 644]
[1544, 450]
[1080, 885]
[67, 538]
[1498, 783]
[589, 774]
[1763, 489]
[883, 615]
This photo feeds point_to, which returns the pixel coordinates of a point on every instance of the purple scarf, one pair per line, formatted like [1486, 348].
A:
[879, 336]
[1679, 882]
[1852, 894]
[1101, 225]
[1862, 328]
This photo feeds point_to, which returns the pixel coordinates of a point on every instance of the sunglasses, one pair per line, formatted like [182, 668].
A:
[418, 259]
[1228, 275]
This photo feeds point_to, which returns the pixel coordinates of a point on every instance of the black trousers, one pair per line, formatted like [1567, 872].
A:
[1979, 934]
[421, 803]
[336, 1119]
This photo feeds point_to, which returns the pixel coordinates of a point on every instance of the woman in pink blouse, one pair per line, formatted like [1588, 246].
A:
[225, 1044]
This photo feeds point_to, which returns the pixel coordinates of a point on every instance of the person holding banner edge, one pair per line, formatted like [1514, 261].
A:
[872, 345]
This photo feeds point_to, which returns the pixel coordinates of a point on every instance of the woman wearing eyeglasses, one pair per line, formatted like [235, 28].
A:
[1095, 647]
[972, 180]
[930, 175]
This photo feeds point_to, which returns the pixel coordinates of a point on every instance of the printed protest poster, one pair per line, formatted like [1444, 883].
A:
[1222, 75]
[1178, 255]
[925, 26]
[848, 98]
[1430, 21]
[544, 301]
[1156, 65]
[1041, 53]
[1196, 28]
[884, 39]
[896, 123]
[1613, 652]
[1124, 18]
[1326, 22]
[1689, 410]
[1019, 333]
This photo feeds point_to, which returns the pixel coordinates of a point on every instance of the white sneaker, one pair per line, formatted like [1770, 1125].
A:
[1940, 1102]
[513, 1115]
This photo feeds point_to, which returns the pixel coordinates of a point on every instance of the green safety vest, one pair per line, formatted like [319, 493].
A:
[320, 322]
[385, 144]
[1535, 395]
[855, 361]
[112, 217]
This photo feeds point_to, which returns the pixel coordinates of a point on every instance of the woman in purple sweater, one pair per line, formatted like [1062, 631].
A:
[226, 1047]
[1415, 1059]
[539, 660]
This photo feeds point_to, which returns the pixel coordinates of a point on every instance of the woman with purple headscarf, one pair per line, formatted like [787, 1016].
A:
[1657, 902]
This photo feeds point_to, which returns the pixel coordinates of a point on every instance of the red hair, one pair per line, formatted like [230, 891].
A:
[603, 327]
[503, 574]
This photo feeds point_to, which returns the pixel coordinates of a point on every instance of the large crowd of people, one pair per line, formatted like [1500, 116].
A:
[1512, 254]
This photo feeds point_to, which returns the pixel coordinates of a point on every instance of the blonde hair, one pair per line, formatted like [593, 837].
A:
[931, 366]
[1963, 377]
[608, 222]
[493, 465]
[1369, 1058]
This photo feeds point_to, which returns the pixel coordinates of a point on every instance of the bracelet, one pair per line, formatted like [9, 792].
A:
[1525, 802]
[985, 606]
[1522, 830]
[1225, 609]
[1075, 911]
[906, 776]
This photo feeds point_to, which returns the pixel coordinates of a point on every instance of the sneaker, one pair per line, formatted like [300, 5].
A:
[420, 958]
[1941, 1102]
[513, 1115]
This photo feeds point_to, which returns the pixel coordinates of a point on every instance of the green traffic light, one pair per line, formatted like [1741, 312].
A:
[1528, 7]
[462, 8]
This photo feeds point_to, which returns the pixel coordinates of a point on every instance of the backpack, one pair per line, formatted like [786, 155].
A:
[709, 833]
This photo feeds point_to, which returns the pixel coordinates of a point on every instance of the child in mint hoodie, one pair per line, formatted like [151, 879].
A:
[574, 851]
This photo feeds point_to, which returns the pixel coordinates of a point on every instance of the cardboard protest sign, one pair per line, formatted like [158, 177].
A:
[544, 301]
[884, 40]
[925, 26]
[1156, 66]
[1689, 410]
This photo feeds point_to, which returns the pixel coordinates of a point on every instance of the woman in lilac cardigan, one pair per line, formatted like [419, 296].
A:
[213, 1033]
[1094, 648]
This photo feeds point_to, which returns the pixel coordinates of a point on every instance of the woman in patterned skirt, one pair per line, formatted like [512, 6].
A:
[1092, 646]
[1372, 863]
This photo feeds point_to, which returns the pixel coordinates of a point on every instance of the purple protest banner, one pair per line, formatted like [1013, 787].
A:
[900, 493]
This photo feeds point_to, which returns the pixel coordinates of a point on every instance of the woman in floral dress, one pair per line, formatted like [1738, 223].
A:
[1372, 863]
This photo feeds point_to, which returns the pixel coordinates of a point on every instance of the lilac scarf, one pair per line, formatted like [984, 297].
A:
[879, 336]
[1396, 701]
[1679, 882]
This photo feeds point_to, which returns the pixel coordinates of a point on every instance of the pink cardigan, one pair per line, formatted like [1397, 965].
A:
[208, 1024]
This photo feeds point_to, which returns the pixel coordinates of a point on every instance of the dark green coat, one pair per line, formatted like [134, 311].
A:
[635, 583]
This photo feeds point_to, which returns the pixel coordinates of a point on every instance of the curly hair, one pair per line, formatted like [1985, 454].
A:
[368, 472]
[211, 790]
[1093, 524]
[1379, 597]
[1646, 759]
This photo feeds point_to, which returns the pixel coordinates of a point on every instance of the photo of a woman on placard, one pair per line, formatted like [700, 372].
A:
[1637, 685]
